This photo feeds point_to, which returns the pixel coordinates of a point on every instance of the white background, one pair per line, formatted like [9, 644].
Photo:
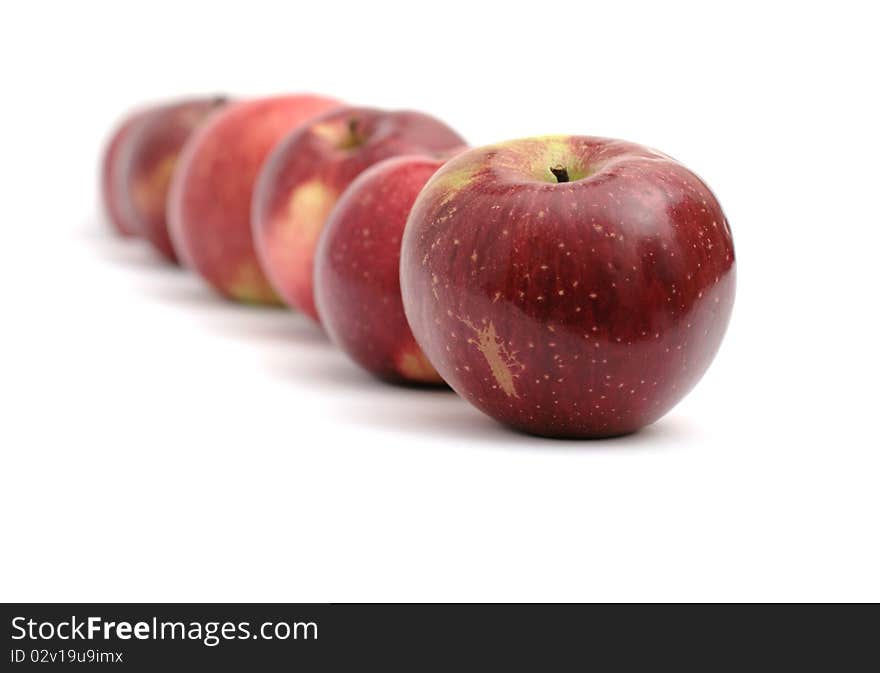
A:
[160, 444]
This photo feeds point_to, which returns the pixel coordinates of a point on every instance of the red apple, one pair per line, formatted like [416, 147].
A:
[305, 175]
[109, 171]
[147, 163]
[357, 270]
[568, 286]
[210, 197]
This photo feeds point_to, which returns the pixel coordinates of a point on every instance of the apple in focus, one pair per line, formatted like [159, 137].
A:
[357, 270]
[148, 160]
[306, 174]
[210, 197]
[568, 286]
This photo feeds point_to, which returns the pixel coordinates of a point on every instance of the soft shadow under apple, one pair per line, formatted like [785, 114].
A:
[451, 417]
[301, 351]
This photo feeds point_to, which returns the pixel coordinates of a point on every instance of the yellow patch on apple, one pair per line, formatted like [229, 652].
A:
[412, 364]
[307, 210]
[149, 191]
[250, 286]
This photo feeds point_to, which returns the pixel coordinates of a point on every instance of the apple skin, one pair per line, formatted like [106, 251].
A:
[110, 194]
[357, 271]
[585, 308]
[306, 174]
[210, 197]
[148, 160]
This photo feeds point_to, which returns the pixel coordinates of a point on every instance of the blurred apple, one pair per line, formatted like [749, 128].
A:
[110, 170]
[210, 197]
[147, 161]
[357, 270]
[306, 174]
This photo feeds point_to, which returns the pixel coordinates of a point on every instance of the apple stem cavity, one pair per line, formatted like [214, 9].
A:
[355, 137]
[559, 173]
[354, 128]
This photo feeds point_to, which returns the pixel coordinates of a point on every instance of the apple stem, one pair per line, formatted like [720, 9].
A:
[219, 100]
[353, 129]
[559, 173]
